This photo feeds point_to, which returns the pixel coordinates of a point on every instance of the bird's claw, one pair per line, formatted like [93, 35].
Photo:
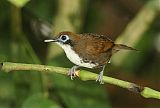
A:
[100, 78]
[73, 72]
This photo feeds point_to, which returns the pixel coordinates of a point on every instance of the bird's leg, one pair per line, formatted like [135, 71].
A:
[100, 76]
[72, 71]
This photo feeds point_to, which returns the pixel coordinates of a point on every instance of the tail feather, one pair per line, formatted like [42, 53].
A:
[123, 47]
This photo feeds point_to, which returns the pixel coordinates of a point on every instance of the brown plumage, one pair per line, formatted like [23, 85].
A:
[95, 48]
[88, 50]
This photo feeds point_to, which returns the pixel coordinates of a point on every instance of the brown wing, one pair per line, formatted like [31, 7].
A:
[96, 47]
[95, 44]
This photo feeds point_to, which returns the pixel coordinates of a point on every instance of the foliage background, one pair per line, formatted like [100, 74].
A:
[21, 40]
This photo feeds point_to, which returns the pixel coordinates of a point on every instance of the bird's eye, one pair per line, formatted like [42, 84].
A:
[63, 37]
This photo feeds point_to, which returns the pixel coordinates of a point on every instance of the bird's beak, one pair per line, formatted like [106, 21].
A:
[50, 40]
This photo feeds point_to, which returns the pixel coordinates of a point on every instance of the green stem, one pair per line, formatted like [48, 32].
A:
[83, 75]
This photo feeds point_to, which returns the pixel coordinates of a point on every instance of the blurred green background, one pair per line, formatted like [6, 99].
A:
[25, 24]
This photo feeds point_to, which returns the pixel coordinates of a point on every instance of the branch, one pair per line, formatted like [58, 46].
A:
[83, 75]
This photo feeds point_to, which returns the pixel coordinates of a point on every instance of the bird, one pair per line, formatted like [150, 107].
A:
[87, 50]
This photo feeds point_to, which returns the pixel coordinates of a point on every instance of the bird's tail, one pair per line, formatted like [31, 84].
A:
[123, 47]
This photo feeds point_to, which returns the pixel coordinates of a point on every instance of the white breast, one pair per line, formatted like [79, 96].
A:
[73, 57]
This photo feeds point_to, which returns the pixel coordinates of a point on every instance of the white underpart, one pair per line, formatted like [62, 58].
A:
[73, 57]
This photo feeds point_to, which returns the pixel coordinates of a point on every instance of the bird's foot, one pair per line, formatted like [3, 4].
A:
[100, 78]
[72, 72]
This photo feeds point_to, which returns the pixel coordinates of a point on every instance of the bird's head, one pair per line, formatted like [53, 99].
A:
[64, 38]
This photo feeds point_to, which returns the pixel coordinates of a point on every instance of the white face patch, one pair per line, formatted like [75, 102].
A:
[74, 58]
